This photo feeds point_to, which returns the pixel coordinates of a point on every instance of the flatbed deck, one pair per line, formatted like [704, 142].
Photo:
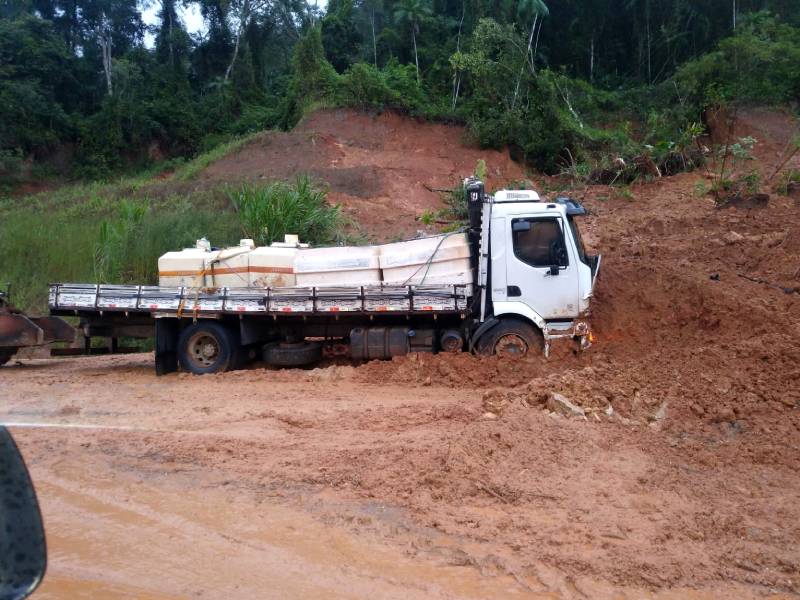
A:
[75, 299]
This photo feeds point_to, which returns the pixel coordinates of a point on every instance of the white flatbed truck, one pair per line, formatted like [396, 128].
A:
[533, 284]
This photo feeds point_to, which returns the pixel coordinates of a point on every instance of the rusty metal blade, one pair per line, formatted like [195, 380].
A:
[18, 330]
[55, 329]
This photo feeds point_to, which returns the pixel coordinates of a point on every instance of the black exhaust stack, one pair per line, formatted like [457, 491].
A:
[476, 194]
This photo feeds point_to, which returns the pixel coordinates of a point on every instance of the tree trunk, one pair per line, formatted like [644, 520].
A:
[242, 23]
[73, 25]
[456, 74]
[414, 39]
[105, 48]
[374, 42]
[649, 47]
[168, 3]
[527, 55]
[591, 60]
[734, 15]
[536, 46]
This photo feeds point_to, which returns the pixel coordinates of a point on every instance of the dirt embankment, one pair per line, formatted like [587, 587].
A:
[381, 168]
[679, 480]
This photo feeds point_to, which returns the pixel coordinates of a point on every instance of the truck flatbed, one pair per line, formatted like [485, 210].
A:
[76, 299]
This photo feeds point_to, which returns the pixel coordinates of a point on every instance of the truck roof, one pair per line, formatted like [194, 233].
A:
[536, 203]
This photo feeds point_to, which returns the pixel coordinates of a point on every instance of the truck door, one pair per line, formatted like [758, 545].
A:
[541, 269]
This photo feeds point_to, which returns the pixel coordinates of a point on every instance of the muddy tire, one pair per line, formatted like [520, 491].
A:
[301, 354]
[208, 347]
[511, 338]
[5, 355]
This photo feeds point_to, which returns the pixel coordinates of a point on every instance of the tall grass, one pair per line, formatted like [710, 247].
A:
[124, 247]
[193, 167]
[268, 212]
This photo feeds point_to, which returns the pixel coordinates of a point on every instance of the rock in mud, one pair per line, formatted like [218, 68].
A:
[732, 237]
[661, 413]
[559, 404]
[494, 401]
[724, 414]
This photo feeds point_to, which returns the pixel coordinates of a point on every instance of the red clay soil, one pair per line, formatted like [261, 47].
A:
[380, 168]
[682, 479]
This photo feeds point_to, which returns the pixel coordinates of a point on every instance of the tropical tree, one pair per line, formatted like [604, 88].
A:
[536, 10]
[412, 13]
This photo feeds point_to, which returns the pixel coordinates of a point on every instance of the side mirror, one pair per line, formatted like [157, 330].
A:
[23, 554]
[554, 270]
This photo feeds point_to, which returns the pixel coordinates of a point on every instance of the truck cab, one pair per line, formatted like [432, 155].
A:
[534, 270]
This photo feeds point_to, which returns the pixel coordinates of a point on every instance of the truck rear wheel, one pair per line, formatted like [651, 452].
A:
[511, 338]
[6, 354]
[208, 347]
[292, 354]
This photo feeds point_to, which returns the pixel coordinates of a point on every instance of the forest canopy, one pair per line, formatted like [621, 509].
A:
[84, 94]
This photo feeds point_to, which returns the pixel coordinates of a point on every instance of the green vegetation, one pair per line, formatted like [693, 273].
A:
[268, 212]
[562, 83]
[102, 237]
[600, 92]
[122, 247]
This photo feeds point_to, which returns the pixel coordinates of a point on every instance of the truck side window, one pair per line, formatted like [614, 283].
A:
[542, 245]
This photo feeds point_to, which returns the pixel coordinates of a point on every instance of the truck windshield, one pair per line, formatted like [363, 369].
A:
[576, 234]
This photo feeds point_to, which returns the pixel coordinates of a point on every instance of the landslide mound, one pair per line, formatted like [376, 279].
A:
[381, 168]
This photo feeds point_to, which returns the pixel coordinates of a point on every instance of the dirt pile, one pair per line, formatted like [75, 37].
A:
[381, 168]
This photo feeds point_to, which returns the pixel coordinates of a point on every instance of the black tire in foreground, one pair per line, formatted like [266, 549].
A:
[208, 347]
[511, 338]
[300, 354]
[5, 355]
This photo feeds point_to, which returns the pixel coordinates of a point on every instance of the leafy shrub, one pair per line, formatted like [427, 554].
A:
[365, 87]
[268, 212]
[758, 64]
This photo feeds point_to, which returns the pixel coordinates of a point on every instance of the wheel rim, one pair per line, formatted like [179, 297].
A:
[511, 345]
[203, 349]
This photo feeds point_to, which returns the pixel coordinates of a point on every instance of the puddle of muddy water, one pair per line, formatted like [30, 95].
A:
[111, 536]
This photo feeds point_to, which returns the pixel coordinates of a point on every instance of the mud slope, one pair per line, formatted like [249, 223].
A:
[381, 168]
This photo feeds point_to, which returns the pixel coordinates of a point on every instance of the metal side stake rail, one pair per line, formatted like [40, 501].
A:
[185, 301]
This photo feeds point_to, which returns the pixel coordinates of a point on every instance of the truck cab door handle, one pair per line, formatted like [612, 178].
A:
[513, 291]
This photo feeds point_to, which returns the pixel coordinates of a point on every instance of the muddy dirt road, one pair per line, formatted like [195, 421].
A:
[314, 484]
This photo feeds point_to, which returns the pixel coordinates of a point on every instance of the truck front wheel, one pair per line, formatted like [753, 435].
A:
[511, 338]
[208, 347]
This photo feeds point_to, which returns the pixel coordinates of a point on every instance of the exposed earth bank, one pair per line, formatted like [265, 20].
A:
[672, 472]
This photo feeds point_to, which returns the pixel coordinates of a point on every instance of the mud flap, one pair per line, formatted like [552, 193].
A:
[484, 327]
[166, 346]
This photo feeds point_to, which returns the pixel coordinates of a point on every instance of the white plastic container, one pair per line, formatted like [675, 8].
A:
[337, 266]
[438, 260]
[272, 266]
[231, 268]
[185, 268]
